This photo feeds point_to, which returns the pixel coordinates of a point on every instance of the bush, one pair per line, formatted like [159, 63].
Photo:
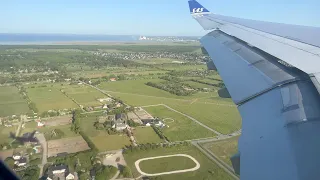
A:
[126, 172]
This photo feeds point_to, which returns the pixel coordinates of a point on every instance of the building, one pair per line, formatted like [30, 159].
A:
[21, 162]
[16, 156]
[59, 172]
[120, 122]
[113, 79]
[70, 176]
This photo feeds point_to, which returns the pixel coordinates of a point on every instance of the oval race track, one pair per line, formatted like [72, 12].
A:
[169, 172]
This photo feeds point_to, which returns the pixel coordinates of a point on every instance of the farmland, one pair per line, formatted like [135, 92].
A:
[84, 95]
[69, 145]
[11, 102]
[49, 97]
[145, 135]
[110, 142]
[208, 169]
[179, 129]
[224, 149]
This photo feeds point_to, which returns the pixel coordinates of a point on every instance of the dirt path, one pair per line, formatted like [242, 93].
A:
[170, 172]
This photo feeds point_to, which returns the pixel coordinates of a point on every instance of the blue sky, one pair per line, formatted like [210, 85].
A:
[142, 17]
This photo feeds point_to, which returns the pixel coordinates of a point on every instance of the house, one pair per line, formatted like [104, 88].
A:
[118, 105]
[148, 122]
[40, 124]
[21, 162]
[70, 176]
[16, 156]
[58, 172]
[113, 79]
[105, 106]
[121, 127]
[159, 123]
[121, 116]
[105, 100]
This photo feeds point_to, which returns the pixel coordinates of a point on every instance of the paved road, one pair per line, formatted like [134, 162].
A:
[43, 143]
[170, 172]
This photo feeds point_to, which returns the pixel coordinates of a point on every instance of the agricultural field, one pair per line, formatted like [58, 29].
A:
[110, 142]
[5, 133]
[223, 149]
[179, 127]
[208, 169]
[49, 97]
[69, 145]
[87, 125]
[166, 164]
[145, 135]
[84, 95]
[11, 102]
[50, 132]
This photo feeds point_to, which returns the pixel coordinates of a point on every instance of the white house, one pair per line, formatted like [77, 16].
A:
[70, 176]
[16, 156]
[21, 162]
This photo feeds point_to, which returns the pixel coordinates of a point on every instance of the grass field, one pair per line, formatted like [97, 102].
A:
[217, 113]
[87, 127]
[110, 142]
[31, 126]
[182, 128]
[166, 164]
[208, 170]
[224, 149]
[84, 95]
[145, 135]
[49, 98]
[5, 132]
[11, 102]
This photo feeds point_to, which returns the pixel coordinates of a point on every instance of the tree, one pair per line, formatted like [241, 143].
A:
[9, 162]
[126, 172]
[105, 172]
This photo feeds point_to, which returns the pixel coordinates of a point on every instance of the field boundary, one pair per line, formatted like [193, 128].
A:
[193, 119]
[169, 172]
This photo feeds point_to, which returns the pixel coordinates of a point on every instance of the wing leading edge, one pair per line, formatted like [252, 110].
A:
[277, 99]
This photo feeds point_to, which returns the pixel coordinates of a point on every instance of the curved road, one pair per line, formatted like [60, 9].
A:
[170, 172]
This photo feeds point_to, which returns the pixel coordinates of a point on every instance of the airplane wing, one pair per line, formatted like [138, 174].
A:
[272, 72]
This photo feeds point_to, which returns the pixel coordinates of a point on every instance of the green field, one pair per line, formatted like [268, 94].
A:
[198, 85]
[217, 113]
[166, 164]
[208, 170]
[84, 95]
[110, 142]
[224, 149]
[31, 126]
[11, 102]
[86, 124]
[5, 133]
[182, 128]
[50, 97]
[145, 135]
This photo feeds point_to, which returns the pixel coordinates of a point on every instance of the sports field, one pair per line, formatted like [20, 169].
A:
[145, 135]
[180, 128]
[11, 102]
[224, 149]
[84, 95]
[49, 97]
[166, 164]
[208, 169]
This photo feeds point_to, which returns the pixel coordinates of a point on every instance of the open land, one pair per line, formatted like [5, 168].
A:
[223, 149]
[11, 102]
[145, 135]
[208, 170]
[68, 145]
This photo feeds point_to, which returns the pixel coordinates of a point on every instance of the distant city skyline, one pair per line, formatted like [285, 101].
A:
[142, 17]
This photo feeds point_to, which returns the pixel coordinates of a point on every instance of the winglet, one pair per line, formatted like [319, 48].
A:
[196, 8]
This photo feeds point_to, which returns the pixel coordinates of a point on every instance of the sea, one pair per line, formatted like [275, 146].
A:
[16, 39]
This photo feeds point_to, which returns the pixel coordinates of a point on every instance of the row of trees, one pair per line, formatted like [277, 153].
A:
[149, 146]
[219, 85]
[176, 88]
[75, 125]
[160, 133]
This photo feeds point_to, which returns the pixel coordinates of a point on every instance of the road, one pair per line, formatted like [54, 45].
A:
[43, 142]
[170, 172]
[193, 119]
[220, 136]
